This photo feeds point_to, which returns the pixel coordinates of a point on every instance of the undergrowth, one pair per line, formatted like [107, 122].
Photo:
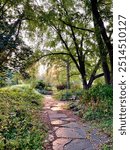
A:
[96, 106]
[99, 106]
[20, 127]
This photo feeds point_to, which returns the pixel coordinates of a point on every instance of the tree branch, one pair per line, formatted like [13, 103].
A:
[79, 28]
[1, 8]
[99, 75]
[92, 77]
[66, 46]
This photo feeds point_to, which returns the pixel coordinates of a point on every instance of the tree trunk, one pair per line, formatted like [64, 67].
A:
[102, 32]
[106, 72]
[84, 82]
[93, 74]
[83, 73]
[68, 74]
[80, 63]
[103, 59]
[102, 48]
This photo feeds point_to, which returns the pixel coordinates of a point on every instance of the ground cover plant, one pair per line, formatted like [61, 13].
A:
[96, 107]
[20, 127]
[68, 94]
[99, 103]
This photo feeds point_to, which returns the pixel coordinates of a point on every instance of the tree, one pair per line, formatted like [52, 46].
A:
[62, 62]
[60, 19]
[13, 51]
[9, 30]
[66, 29]
[102, 38]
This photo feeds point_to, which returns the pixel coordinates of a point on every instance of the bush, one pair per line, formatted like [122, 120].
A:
[2, 79]
[62, 95]
[19, 126]
[99, 93]
[61, 87]
[68, 94]
[40, 85]
[95, 105]
[48, 87]
[99, 106]
[99, 100]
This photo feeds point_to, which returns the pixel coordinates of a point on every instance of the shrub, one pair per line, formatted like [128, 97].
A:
[61, 87]
[2, 79]
[99, 100]
[40, 85]
[70, 94]
[95, 106]
[62, 95]
[48, 87]
[98, 93]
[19, 126]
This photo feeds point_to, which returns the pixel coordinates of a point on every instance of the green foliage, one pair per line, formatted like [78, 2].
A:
[14, 53]
[102, 93]
[2, 79]
[99, 99]
[48, 87]
[68, 94]
[62, 94]
[7, 77]
[99, 106]
[95, 105]
[40, 85]
[19, 124]
[106, 147]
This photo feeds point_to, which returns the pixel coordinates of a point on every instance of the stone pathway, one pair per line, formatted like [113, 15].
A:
[66, 131]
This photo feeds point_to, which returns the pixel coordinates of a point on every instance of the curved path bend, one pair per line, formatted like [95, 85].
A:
[66, 131]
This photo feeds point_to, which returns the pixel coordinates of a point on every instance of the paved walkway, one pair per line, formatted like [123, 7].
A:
[66, 131]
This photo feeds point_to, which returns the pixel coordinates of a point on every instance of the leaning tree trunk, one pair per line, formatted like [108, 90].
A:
[102, 32]
[103, 56]
[102, 48]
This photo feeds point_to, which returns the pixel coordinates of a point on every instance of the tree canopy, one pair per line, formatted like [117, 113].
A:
[58, 32]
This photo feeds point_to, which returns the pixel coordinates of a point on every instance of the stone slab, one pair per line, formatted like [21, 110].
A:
[70, 133]
[72, 125]
[56, 108]
[79, 144]
[59, 143]
[56, 116]
[57, 122]
[69, 119]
